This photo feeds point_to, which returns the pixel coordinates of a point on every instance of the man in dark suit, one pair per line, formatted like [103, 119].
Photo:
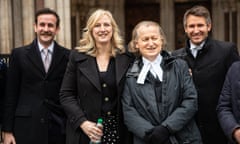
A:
[209, 61]
[32, 112]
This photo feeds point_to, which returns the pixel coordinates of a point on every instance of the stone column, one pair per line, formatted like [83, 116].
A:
[28, 11]
[118, 12]
[167, 22]
[18, 24]
[62, 7]
[6, 33]
[217, 20]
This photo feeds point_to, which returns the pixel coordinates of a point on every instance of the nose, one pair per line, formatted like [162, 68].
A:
[150, 42]
[102, 28]
[196, 29]
[45, 28]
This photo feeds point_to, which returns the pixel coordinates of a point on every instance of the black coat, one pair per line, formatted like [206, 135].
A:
[3, 69]
[144, 108]
[32, 94]
[209, 70]
[81, 94]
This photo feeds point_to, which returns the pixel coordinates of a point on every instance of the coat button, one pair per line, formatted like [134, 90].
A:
[104, 85]
[109, 113]
[106, 99]
[42, 120]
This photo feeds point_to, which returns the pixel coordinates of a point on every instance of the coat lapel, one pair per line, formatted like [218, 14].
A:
[89, 68]
[56, 57]
[35, 56]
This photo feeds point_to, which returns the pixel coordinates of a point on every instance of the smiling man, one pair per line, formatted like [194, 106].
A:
[209, 61]
[32, 112]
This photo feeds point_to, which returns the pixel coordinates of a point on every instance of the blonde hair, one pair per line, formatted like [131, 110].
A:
[87, 43]
[132, 44]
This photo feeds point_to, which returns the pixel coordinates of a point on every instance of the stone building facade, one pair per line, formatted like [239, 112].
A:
[17, 19]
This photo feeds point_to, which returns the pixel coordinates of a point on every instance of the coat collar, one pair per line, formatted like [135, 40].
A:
[137, 65]
[204, 49]
[88, 66]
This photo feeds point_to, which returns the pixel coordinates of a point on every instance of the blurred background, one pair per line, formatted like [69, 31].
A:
[17, 19]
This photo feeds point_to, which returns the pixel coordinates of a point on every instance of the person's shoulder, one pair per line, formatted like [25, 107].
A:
[62, 47]
[236, 64]
[222, 44]
[128, 55]
[21, 49]
[78, 56]
[179, 52]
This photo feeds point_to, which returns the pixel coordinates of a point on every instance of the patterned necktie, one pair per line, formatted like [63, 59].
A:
[46, 60]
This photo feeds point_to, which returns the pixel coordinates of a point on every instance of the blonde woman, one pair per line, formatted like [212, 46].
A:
[93, 83]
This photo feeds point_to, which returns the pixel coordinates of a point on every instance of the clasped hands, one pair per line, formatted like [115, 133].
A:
[157, 135]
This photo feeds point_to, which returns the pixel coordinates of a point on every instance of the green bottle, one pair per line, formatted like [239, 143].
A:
[100, 125]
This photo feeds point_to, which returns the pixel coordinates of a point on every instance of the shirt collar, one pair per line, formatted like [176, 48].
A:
[50, 48]
[157, 61]
[192, 46]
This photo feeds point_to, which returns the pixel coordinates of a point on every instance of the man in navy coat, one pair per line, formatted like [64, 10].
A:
[229, 102]
[209, 61]
[32, 112]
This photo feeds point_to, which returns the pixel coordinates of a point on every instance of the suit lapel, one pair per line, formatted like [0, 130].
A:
[89, 68]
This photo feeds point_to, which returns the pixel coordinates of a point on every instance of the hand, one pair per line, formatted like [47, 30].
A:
[91, 130]
[8, 138]
[147, 137]
[236, 135]
[159, 135]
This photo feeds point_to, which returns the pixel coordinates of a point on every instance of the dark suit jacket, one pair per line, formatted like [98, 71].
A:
[209, 70]
[32, 95]
[80, 93]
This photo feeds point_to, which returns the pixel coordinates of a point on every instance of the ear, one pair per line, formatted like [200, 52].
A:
[57, 29]
[35, 28]
[136, 44]
[209, 27]
[185, 29]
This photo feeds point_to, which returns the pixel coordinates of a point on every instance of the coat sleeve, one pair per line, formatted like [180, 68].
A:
[132, 119]
[187, 106]
[68, 93]
[225, 106]
[12, 91]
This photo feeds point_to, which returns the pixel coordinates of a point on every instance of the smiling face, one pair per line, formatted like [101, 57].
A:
[197, 29]
[46, 28]
[102, 31]
[149, 41]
